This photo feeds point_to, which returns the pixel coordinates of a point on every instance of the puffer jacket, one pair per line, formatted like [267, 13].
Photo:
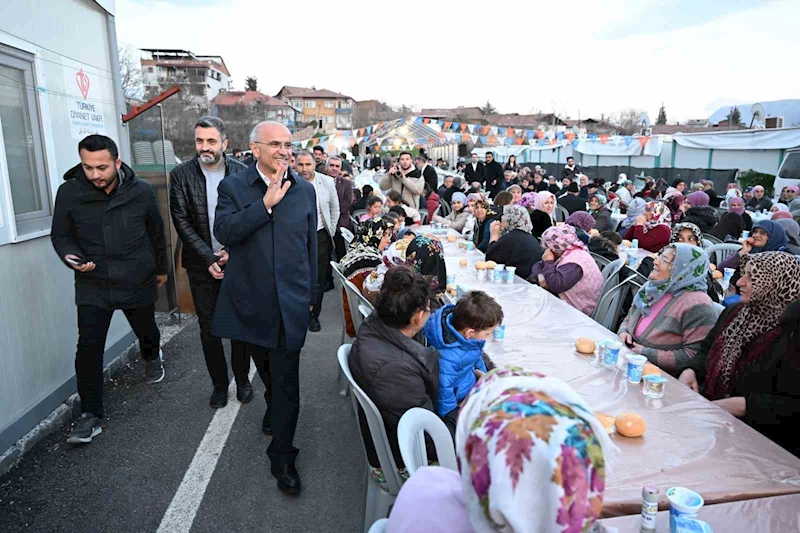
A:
[458, 358]
[189, 206]
[704, 217]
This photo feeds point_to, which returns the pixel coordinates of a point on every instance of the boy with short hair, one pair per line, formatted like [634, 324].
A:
[459, 333]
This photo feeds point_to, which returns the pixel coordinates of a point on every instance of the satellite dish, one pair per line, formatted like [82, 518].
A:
[644, 120]
[759, 114]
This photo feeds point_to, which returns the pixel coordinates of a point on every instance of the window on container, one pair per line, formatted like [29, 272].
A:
[22, 141]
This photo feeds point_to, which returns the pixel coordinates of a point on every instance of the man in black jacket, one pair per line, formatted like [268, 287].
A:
[570, 170]
[375, 162]
[475, 171]
[428, 172]
[572, 202]
[494, 175]
[107, 228]
[193, 201]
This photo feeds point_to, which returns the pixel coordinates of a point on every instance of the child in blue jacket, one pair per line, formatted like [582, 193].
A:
[459, 332]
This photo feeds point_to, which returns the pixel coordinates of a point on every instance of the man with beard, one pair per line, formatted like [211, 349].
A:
[404, 179]
[193, 202]
[346, 195]
[320, 159]
[107, 228]
[571, 170]
[494, 175]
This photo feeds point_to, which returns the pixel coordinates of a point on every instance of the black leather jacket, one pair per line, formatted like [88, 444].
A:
[189, 206]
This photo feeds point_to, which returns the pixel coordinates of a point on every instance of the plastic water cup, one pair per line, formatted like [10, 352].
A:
[684, 503]
[635, 367]
[601, 351]
[470, 246]
[611, 354]
[635, 243]
[728, 274]
[510, 273]
[745, 234]
[451, 278]
[498, 273]
[632, 258]
[500, 332]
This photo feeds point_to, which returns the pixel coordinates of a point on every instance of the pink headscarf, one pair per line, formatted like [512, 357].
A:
[794, 188]
[538, 203]
[561, 239]
[736, 205]
[781, 214]
[698, 199]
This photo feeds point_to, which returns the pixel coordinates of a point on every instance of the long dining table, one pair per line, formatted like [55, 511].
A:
[688, 442]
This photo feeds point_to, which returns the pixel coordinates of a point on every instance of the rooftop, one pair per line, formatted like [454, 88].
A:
[185, 58]
[230, 98]
[320, 93]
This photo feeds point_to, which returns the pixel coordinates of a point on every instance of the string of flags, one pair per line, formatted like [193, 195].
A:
[460, 132]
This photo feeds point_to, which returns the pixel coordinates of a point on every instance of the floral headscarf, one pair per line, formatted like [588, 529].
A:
[582, 220]
[541, 197]
[517, 217]
[531, 454]
[601, 198]
[656, 214]
[777, 237]
[426, 255]
[774, 286]
[736, 205]
[676, 230]
[528, 200]
[561, 239]
[635, 208]
[394, 255]
[688, 274]
[364, 253]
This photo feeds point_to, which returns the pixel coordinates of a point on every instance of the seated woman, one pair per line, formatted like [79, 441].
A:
[688, 233]
[671, 314]
[674, 200]
[698, 212]
[374, 208]
[390, 363]
[516, 193]
[511, 242]
[651, 228]
[749, 364]
[729, 228]
[543, 214]
[583, 223]
[606, 245]
[601, 215]
[423, 254]
[364, 256]
[767, 236]
[457, 218]
[760, 201]
[792, 231]
[484, 216]
[635, 210]
[567, 270]
[736, 205]
[501, 200]
[502, 487]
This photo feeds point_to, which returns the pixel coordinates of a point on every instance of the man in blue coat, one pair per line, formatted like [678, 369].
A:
[267, 217]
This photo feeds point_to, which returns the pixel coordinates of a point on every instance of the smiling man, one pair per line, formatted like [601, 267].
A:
[267, 217]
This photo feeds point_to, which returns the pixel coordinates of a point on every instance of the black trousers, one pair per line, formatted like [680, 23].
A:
[280, 371]
[93, 325]
[324, 246]
[341, 246]
[205, 291]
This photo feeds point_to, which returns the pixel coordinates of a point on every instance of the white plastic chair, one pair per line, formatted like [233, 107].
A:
[364, 310]
[411, 437]
[378, 501]
[612, 268]
[601, 261]
[607, 311]
[722, 251]
[710, 238]
[340, 282]
[379, 526]
[358, 213]
[561, 213]
[347, 235]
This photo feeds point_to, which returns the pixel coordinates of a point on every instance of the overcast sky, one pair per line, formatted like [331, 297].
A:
[587, 57]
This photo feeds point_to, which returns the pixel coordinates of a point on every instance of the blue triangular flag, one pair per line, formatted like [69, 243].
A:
[592, 137]
[542, 142]
[628, 140]
[456, 125]
[418, 120]
[369, 130]
[483, 139]
[560, 135]
[529, 134]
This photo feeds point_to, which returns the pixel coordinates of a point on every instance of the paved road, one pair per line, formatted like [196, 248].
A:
[125, 480]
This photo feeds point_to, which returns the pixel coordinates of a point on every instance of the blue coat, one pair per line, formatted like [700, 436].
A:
[272, 270]
[459, 357]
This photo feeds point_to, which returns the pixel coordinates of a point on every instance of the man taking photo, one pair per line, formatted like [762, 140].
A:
[404, 179]
[107, 228]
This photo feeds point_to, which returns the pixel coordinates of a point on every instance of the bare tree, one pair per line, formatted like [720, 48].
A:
[130, 72]
[626, 121]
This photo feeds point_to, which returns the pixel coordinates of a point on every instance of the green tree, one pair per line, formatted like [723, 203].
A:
[251, 83]
[662, 115]
[488, 109]
[734, 116]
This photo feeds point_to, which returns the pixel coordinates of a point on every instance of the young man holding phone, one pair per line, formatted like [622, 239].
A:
[107, 228]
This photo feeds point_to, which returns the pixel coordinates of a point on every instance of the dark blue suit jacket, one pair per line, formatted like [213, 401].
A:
[272, 270]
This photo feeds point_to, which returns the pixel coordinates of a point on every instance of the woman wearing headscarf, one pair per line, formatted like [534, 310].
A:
[426, 256]
[532, 459]
[511, 242]
[767, 236]
[688, 233]
[698, 211]
[729, 228]
[364, 256]
[777, 215]
[671, 314]
[393, 255]
[583, 223]
[484, 216]
[674, 201]
[736, 205]
[749, 364]
[606, 244]
[794, 207]
[600, 213]
[528, 200]
[543, 214]
[651, 228]
[635, 210]
[759, 201]
[568, 270]
[779, 207]
[458, 217]
[792, 231]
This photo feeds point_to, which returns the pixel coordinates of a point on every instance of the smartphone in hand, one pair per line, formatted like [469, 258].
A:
[77, 262]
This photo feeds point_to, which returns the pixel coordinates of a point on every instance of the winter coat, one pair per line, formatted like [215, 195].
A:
[189, 206]
[458, 358]
[121, 233]
[494, 178]
[704, 217]
[410, 187]
[397, 373]
[267, 252]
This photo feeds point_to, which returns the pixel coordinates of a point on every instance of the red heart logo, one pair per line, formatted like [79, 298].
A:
[83, 83]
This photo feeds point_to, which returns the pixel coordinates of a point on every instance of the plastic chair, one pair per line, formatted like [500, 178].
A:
[347, 235]
[612, 268]
[608, 308]
[378, 501]
[364, 310]
[601, 261]
[561, 213]
[411, 437]
[444, 208]
[423, 216]
[358, 213]
[339, 279]
[711, 239]
[722, 251]
[379, 526]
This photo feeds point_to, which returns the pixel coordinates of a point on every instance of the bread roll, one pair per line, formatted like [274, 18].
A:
[585, 346]
[490, 265]
[463, 262]
[717, 274]
[480, 265]
[630, 425]
[607, 421]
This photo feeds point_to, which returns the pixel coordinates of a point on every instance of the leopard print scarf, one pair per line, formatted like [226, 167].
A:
[775, 283]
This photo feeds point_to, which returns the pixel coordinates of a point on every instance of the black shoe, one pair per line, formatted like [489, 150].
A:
[244, 393]
[313, 324]
[85, 429]
[266, 425]
[154, 370]
[288, 478]
[219, 399]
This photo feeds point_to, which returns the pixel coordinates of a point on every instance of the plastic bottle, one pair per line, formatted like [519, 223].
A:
[649, 509]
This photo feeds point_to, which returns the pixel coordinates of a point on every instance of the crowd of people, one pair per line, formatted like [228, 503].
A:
[257, 242]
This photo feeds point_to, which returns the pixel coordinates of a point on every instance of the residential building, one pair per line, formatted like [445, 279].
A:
[205, 75]
[56, 90]
[228, 105]
[369, 112]
[326, 110]
[591, 125]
